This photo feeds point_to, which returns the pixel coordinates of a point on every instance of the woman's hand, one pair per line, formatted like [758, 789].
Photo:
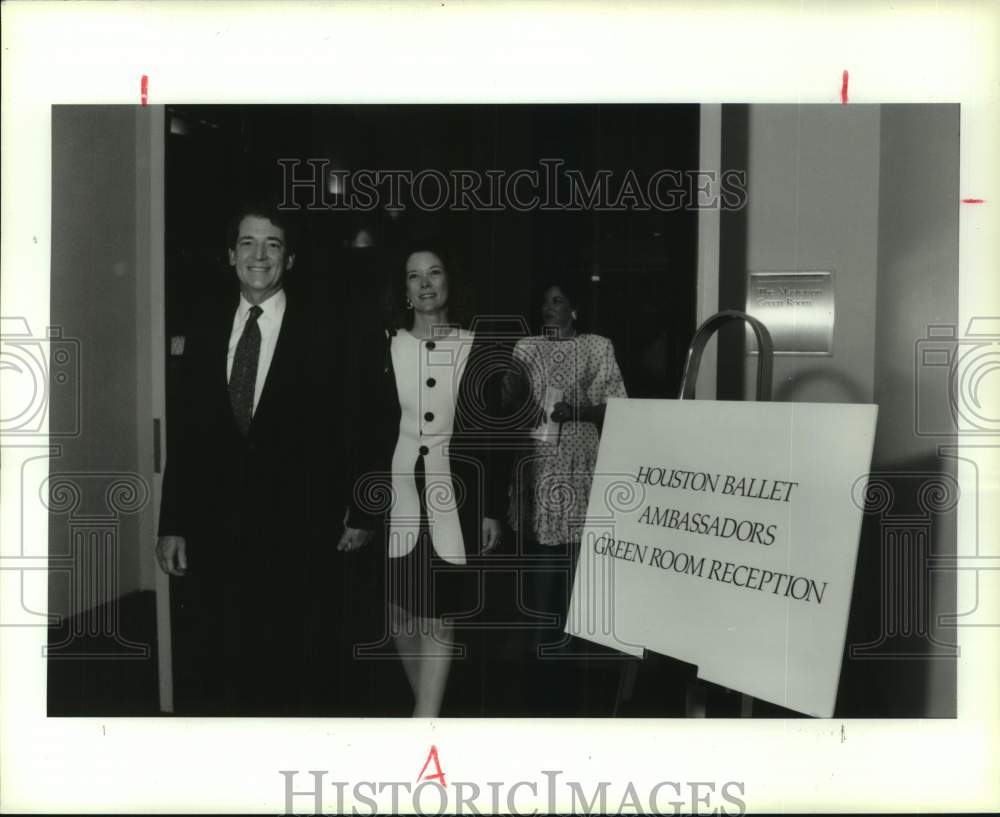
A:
[353, 538]
[563, 412]
[491, 534]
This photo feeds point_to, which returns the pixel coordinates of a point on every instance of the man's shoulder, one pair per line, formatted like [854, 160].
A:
[205, 310]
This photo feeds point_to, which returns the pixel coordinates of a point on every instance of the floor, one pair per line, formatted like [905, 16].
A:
[92, 674]
[95, 675]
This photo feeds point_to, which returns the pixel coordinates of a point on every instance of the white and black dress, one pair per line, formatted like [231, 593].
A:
[434, 410]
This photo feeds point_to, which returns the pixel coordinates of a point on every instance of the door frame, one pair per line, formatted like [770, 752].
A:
[150, 335]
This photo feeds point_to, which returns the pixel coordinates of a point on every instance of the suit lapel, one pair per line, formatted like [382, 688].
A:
[218, 363]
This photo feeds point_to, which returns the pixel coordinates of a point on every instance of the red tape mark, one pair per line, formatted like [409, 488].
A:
[433, 755]
[973, 201]
[144, 89]
[843, 89]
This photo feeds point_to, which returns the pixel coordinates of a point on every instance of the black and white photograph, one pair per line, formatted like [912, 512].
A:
[356, 431]
[357, 543]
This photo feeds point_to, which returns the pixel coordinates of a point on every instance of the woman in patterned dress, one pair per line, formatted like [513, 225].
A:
[570, 376]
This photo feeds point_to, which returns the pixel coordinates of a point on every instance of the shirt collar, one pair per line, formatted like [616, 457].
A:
[273, 307]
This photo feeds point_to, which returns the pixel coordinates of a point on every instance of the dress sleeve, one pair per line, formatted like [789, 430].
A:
[477, 417]
[607, 381]
[519, 392]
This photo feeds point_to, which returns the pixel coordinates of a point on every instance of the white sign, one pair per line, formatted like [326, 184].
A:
[725, 534]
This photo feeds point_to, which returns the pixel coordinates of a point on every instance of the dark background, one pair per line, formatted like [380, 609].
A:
[218, 156]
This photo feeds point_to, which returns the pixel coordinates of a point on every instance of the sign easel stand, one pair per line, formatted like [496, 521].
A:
[695, 703]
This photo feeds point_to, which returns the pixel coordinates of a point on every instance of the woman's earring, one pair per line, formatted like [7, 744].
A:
[409, 303]
[573, 313]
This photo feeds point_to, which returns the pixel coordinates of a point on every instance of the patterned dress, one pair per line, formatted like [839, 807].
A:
[551, 487]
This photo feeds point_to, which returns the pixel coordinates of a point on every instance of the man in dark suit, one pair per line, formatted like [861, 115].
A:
[248, 522]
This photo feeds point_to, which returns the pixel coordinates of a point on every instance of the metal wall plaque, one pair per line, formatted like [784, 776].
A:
[796, 307]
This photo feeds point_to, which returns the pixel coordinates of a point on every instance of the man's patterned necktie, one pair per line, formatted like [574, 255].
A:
[243, 378]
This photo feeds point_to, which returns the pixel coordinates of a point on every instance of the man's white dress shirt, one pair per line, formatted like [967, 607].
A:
[270, 325]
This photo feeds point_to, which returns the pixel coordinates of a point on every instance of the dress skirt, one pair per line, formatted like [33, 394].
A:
[423, 583]
[427, 586]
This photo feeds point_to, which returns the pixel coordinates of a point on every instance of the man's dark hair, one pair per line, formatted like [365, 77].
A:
[266, 210]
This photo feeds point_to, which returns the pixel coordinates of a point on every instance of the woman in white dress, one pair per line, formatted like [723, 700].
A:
[426, 433]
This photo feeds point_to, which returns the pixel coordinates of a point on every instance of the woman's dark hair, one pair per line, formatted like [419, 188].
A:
[572, 288]
[459, 294]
